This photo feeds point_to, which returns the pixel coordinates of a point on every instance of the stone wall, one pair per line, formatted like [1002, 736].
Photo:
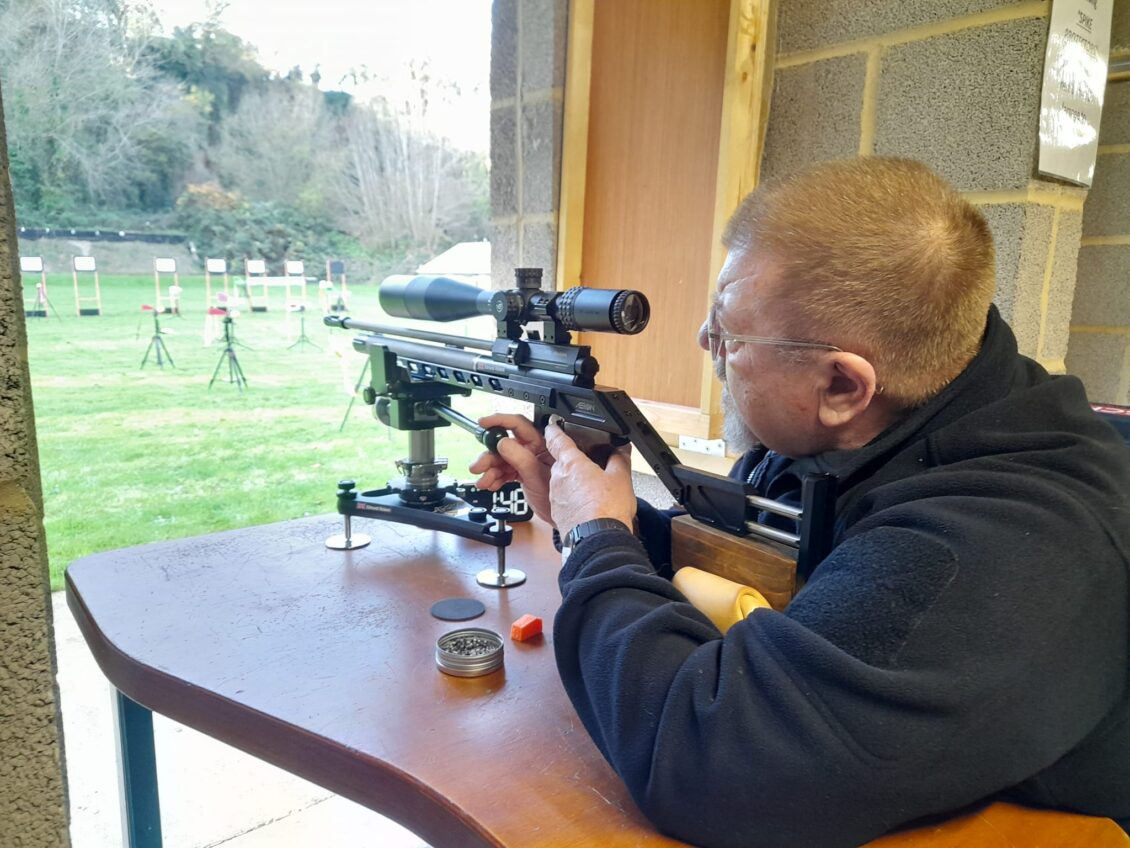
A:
[1099, 351]
[527, 82]
[33, 809]
[955, 84]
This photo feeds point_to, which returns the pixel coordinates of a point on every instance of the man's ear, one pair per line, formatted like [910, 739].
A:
[847, 388]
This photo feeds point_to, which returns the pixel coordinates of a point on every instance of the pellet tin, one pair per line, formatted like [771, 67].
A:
[469, 652]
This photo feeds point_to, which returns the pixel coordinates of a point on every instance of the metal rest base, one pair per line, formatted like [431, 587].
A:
[341, 542]
[490, 578]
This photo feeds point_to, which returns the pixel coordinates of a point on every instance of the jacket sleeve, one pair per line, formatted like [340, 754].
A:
[892, 688]
[654, 532]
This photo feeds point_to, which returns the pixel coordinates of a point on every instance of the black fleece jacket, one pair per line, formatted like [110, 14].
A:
[966, 639]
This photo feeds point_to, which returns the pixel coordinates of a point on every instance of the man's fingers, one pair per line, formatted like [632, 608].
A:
[485, 460]
[524, 462]
[557, 441]
[493, 478]
[523, 428]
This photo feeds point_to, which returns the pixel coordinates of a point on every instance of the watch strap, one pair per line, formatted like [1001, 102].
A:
[591, 527]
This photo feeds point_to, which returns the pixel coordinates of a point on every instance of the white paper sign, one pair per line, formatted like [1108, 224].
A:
[216, 266]
[1075, 70]
[295, 268]
[84, 263]
[31, 264]
[256, 266]
[165, 266]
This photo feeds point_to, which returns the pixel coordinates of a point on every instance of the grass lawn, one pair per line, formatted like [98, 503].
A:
[131, 455]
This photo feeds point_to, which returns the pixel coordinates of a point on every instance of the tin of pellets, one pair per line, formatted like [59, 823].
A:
[470, 652]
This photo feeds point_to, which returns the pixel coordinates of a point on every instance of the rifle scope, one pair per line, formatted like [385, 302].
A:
[583, 309]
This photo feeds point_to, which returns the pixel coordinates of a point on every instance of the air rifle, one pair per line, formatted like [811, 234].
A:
[414, 374]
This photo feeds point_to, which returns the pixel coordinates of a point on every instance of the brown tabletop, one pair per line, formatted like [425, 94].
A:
[322, 662]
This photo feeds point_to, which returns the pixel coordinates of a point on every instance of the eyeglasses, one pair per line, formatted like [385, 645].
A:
[716, 338]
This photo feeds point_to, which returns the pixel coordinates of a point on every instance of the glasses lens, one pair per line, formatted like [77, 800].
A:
[712, 332]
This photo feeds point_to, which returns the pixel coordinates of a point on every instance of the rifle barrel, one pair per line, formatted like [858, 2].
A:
[407, 333]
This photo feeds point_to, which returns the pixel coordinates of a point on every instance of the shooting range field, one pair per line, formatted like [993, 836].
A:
[131, 455]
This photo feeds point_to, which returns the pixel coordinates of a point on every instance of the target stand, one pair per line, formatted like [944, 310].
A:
[167, 266]
[254, 276]
[337, 290]
[37, 306]
[93, 303]
[215, 266]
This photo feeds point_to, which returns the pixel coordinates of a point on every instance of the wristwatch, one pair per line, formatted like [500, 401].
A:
[589, 528]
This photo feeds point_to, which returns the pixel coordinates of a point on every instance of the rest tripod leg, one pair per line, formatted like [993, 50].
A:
[347, 491]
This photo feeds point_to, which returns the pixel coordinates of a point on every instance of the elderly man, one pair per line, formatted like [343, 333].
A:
[966, 638]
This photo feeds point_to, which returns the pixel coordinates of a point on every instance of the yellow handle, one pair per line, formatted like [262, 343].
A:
[723, 601]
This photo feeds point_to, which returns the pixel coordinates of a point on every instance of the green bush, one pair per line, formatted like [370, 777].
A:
[222, 224]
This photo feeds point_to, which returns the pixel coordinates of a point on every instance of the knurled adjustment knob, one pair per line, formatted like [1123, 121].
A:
[500, 512]
[369, 395]
[345, 488]
[477, 513]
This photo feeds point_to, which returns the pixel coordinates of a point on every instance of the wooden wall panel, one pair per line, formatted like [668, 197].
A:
[652, 167]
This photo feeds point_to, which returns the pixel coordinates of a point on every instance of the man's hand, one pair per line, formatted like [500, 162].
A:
[580, 490]
[523, 457]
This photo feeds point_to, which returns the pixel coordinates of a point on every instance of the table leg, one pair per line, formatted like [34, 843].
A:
[137, 774]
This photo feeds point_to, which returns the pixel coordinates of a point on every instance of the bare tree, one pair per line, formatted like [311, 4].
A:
[280, 146]
[402, 181]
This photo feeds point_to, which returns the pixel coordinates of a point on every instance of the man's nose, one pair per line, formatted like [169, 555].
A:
[703, 338]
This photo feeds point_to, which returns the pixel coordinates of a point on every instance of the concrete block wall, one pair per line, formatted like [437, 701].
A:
[955, 84]
[527, 84]
[33, 809]
[1099, 350]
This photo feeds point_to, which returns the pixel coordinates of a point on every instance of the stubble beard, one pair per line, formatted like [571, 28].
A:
[736, 434]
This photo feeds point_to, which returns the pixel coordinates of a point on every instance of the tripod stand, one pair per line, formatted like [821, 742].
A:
[42, 304]
[235, 373]
[157, 344]
[302, 339]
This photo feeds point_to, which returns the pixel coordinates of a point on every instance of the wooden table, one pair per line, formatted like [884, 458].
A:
[322, 662]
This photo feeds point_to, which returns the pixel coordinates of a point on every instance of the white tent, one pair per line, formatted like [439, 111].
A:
[468, 261]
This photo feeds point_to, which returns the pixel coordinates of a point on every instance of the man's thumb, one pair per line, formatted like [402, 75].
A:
[620, 462]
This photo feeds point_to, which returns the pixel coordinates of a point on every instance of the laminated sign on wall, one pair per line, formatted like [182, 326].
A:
[1075, 70]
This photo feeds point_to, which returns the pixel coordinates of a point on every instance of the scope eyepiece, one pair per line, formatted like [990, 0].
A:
[602, 310]
[583, 309]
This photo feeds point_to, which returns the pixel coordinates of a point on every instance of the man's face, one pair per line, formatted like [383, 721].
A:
[767, 398]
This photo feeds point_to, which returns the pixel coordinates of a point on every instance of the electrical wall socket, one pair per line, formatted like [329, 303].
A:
[710, 447]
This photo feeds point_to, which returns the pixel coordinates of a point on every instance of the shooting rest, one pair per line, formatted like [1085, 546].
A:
[414, 373]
